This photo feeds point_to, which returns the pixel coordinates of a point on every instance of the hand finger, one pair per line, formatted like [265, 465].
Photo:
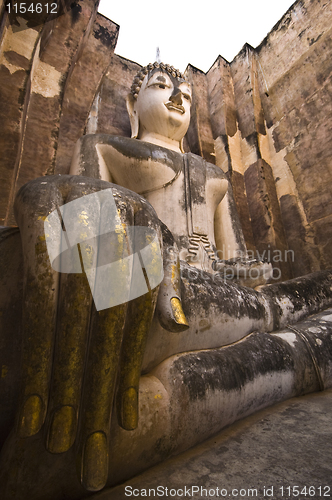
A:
[33, 203]
[99, 386]
[72, 338]
[111, 294]
[80, 222]
[140, 312]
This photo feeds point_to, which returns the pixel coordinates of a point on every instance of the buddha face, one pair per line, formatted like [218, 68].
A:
[163, 106]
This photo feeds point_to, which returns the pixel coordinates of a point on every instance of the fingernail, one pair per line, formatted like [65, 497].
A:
[62, 430]
[32, 417]
[129, 409]
[178, 313]
[95, 462]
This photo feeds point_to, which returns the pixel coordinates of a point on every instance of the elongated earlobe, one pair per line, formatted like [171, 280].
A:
[133, 116]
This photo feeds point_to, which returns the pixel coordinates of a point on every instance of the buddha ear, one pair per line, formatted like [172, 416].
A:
[181, 146]
[133, 116]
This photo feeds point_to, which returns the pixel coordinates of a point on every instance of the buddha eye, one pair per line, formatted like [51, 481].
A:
[186, 97]
[158, 85]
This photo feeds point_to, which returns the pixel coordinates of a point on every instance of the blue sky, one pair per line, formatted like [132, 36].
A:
[191, 32]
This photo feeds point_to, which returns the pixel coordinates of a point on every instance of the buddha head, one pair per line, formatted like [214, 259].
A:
[159, 106]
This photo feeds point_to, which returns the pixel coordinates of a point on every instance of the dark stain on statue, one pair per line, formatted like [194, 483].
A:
[163, 448]
[252, 140]
[231, 369]
[203, 281]
[75, 12]
[143, 151]
[224, 138]
[306, 292]
[285, 23]
[197, 178]
[106, 37]
[314, 40]
[17, 59]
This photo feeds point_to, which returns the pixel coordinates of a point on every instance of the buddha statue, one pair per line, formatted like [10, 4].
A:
[82, 367]
[184, 189]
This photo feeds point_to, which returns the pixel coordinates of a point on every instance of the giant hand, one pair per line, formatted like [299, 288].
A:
[79, 347]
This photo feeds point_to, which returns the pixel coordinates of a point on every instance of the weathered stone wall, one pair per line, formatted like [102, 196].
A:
[298, 116]
[271, 119]
[49, 76]
[265, 119]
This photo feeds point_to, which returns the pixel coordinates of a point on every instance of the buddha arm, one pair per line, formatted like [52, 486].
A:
[228, 233]
[226, 239]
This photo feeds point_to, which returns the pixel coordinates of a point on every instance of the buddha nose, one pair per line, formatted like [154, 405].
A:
[176, 96]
